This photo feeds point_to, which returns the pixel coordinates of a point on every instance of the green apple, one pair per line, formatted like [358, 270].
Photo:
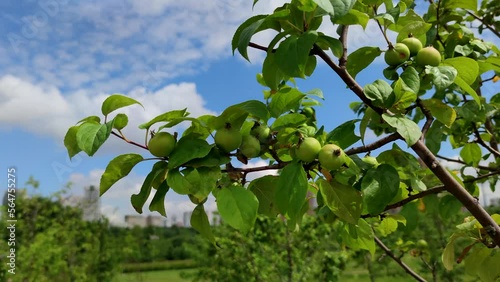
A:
[228, 138]
[413, 44]
[397, 55]
[162, 144]
[261, 131]
[250, 146]
[428, 56]
[308, 149]
[332, 157]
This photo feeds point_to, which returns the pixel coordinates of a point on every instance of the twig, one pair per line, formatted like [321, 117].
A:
[343, 40]
[481, 142]
[428, 119]
[375, 145]
[462, 162]
[382, 30]
[485, 24]
[398, 260]
[255, 169]
[128, 141]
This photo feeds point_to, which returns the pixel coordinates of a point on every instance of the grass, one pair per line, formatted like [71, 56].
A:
[154, 276]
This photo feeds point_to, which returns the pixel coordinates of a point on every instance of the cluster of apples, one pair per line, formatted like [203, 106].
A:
[412, 47]
[330, 156]
[229, 138]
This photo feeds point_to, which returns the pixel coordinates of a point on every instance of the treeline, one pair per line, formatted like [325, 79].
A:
[54, 243]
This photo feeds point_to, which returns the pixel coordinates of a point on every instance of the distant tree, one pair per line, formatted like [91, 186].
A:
[54, 243]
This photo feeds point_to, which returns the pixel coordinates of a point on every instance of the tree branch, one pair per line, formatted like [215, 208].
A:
[485, 24]
[424, 153]
[375, 145]
[452, 186]
[462, 162]
[343, 40]
[398, 260]
[428, 119]
[129, 141]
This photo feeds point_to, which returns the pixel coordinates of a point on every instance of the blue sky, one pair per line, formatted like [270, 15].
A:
[60, 59]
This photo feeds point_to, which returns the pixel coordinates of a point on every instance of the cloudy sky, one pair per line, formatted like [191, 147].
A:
[59, 59]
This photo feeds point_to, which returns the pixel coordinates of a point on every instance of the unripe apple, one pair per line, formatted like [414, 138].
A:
[413, 44]
[261, 131]
[397, 54]
[250, 146]
[308, 149]
[428, 56]
[332, 157]
[162, 144]
[228, 138]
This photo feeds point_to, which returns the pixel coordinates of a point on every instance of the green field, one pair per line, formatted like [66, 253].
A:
[175, 276]
[153, 276]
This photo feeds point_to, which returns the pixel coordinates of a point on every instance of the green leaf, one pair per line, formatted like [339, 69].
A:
[411, 80]
[475, 259]
[188, 149]
[71, 142]
[198, 182]
[489, 270]
[214, 158]
[199, 221]
[442, 112]
[442, 76]
[158, 201]
[448, 256]
[379, 185]
[336, 8]
[471, 154]
[233, 115]
[289, 120]
[380, 92]
[116, 101]
[408, 129]
[344, 135]
[118, 168]
[389, 224]
[91, 136]
[292, 54]
[271, 72]
[255, 24]
[465, 87]
[292, 190]
[285, 100]
[165, 117]
[417, 28]
[468, 69]
[361, 58]
[264, 189]
[354, 17]
[244, 34]
[120, 121]
[91, 119]
[138, 200]
[344, 201]
[333, 43]
[256, 109]
[359, 236]
[461, 4]
[238, 207]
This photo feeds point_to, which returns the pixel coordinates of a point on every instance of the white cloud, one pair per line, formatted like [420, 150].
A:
[43, 110]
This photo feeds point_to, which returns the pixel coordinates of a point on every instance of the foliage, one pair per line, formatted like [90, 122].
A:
[158, 265]
[54, 243]
[272, 253]
[425, 106]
